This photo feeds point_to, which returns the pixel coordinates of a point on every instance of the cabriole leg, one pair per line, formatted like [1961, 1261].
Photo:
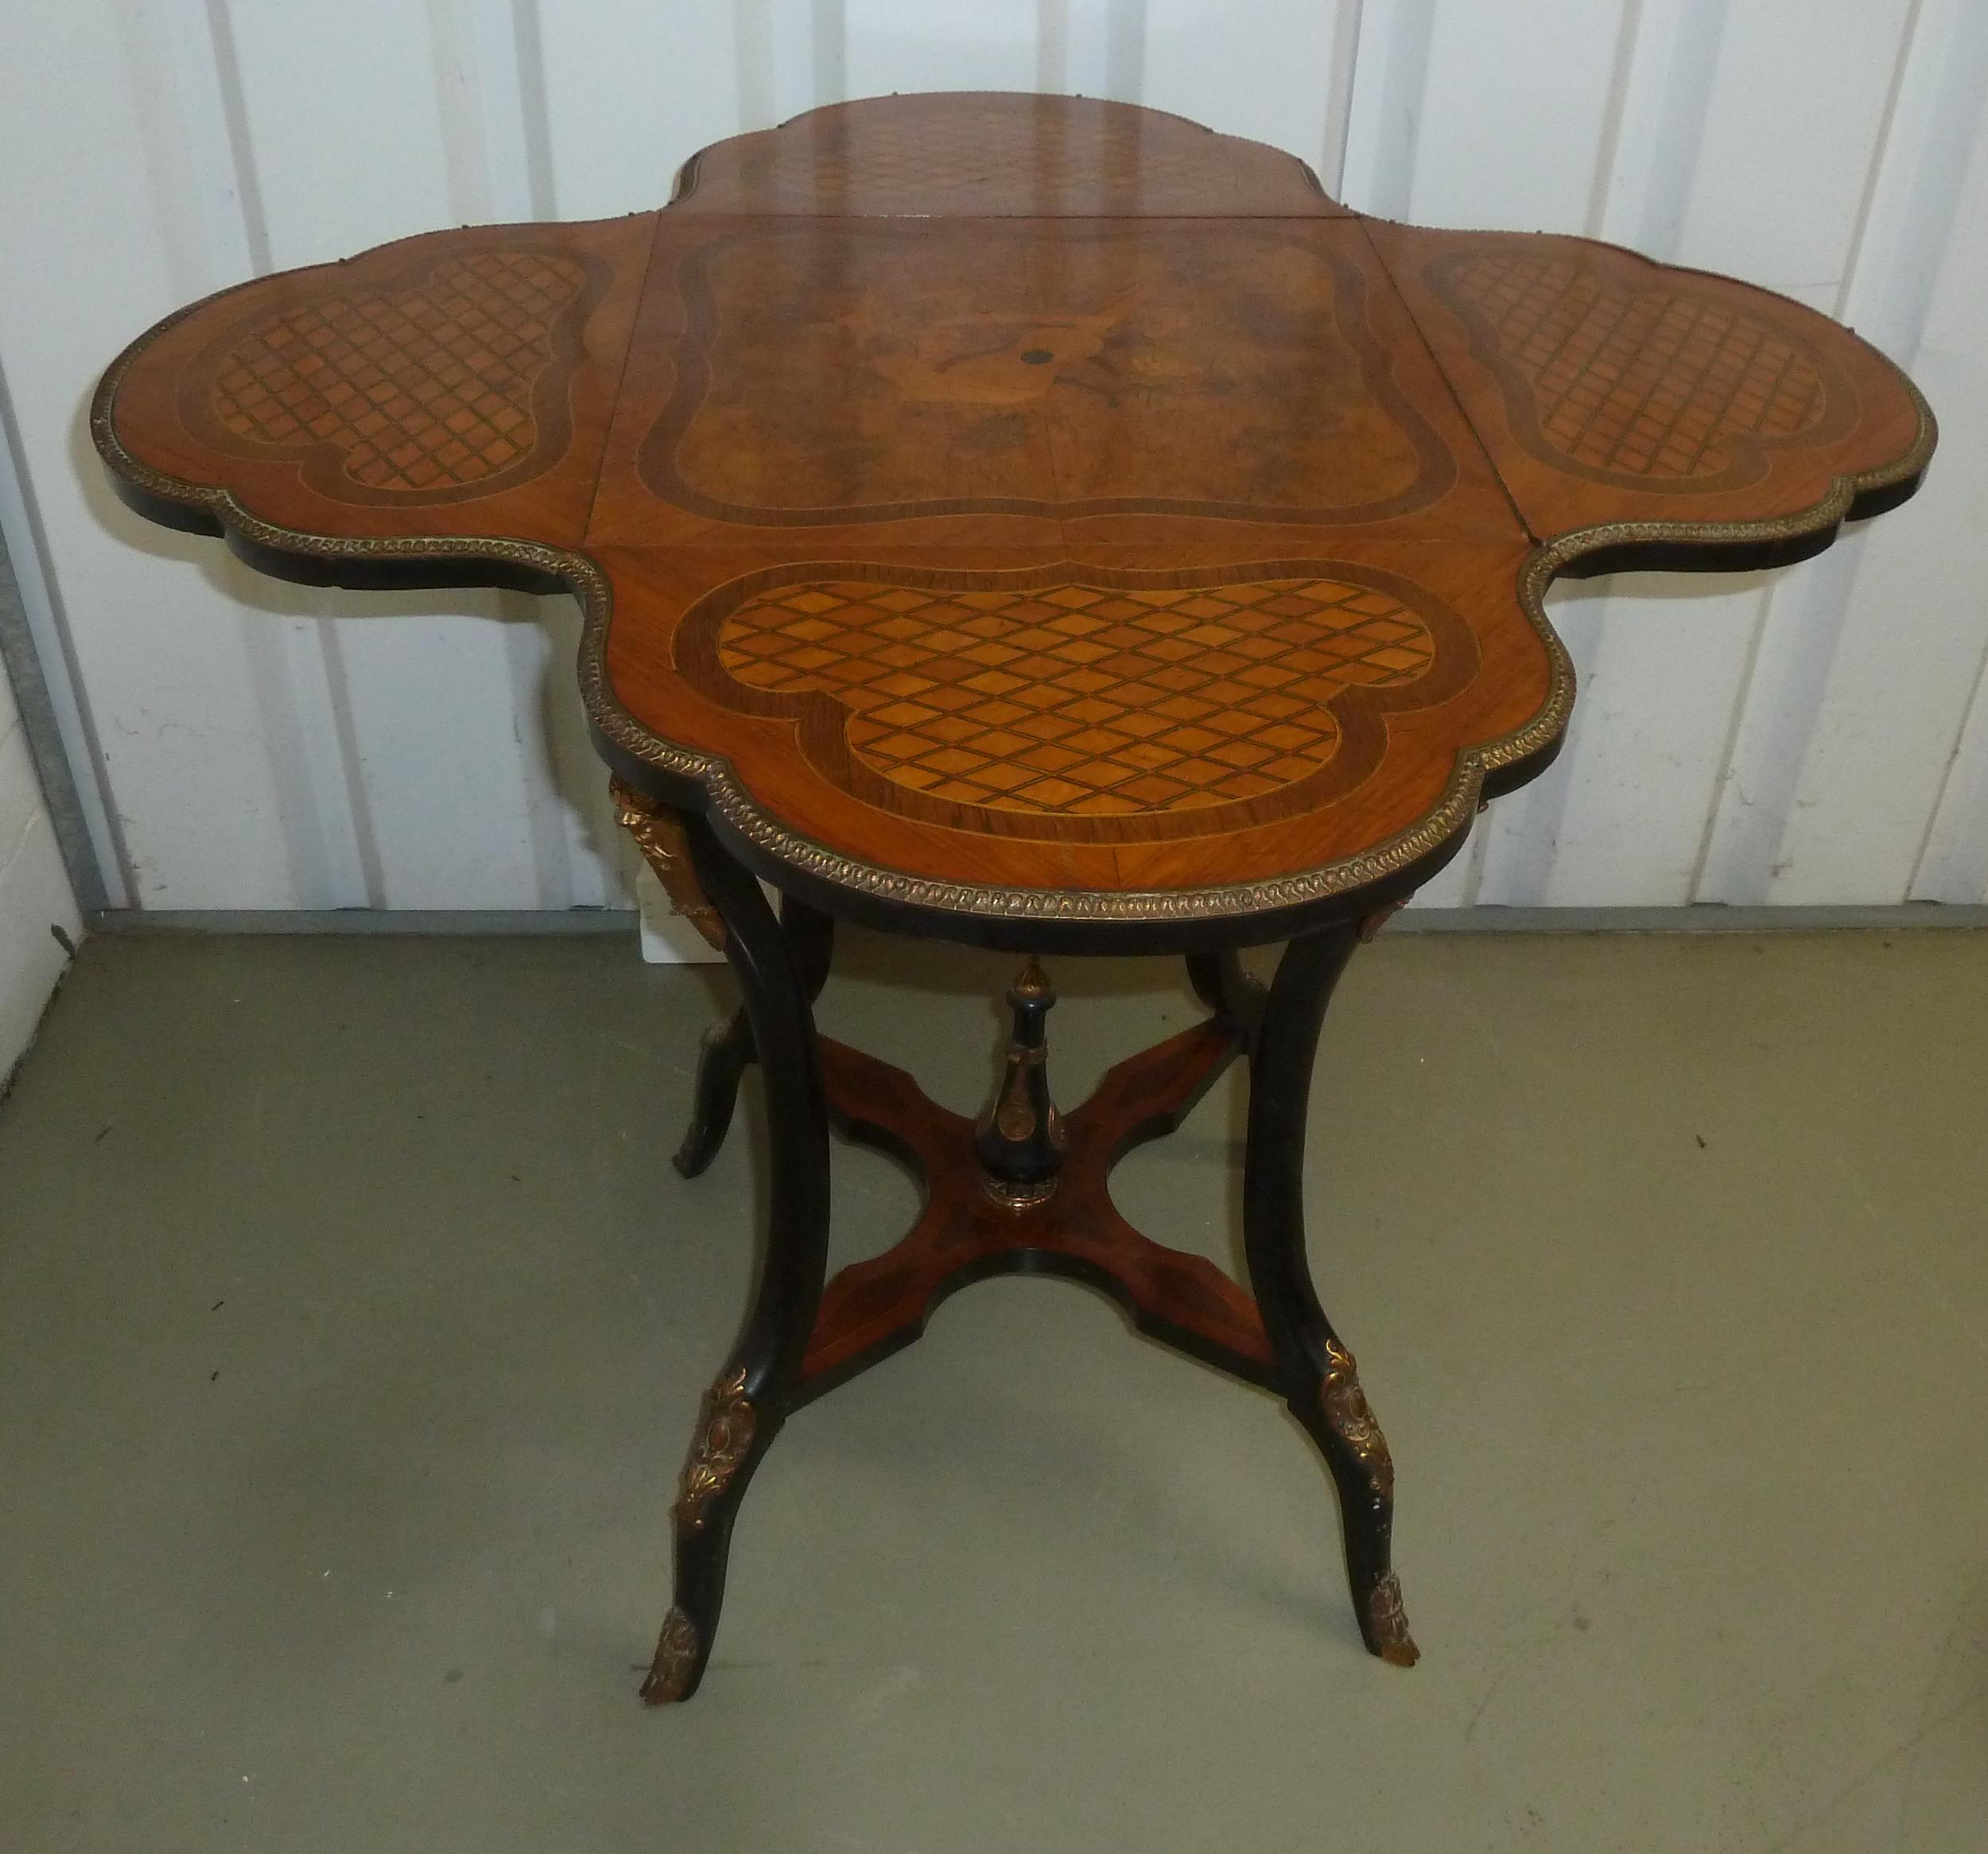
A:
[728, 1048]
[722, 1060]
[1314, 1371]
[745, 1408]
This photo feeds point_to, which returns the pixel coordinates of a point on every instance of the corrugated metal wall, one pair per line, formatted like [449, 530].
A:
[34, 893]
[1818, 735]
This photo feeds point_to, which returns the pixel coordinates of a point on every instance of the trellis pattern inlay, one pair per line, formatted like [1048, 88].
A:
[1084, 699]
[999, 154]
[428, 388]
[1639, 385]
[906, 162]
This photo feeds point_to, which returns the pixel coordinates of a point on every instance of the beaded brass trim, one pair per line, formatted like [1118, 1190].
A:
[1451, 817]
[725, 1427]
[675, 1661]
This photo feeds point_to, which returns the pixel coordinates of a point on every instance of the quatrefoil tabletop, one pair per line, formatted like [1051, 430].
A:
[1026, 509]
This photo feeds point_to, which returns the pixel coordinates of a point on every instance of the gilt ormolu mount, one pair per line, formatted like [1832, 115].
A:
[1040, 523]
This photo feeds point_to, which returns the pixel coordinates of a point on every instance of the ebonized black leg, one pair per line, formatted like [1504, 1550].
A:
[1221, 982]
[727, 1047]
[721, 1064]
[1314, 1370]
[778, 971]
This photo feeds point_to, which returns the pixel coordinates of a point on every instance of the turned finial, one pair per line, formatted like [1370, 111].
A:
[1020, 1140]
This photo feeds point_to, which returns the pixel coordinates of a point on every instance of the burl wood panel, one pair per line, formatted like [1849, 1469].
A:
[1021, 505]
[1129, 374]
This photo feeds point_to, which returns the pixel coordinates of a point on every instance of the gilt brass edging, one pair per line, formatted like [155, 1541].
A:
[589, 586]
[1551, 558]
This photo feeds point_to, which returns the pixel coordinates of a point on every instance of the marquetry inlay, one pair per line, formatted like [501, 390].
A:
[1624, 383]
[422, 389]
[908, 161]
[1078, 699]
[997, 510]
[1001, 154]
[845, 373]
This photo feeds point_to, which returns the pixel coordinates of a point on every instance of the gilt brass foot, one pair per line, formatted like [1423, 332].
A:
[674, 1673]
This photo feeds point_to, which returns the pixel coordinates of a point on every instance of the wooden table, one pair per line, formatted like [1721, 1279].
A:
[1038, 523]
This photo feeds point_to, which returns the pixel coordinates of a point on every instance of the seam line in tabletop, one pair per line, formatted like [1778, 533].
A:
[621, 376]
[1442, 372]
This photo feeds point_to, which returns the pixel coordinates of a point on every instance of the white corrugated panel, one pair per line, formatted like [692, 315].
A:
[34, 892]
[1812, 736]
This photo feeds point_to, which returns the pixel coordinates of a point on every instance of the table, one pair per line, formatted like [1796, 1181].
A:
[1038, 523]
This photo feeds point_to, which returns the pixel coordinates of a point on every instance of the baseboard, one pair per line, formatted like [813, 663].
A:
[1702, 919]
[437, 920]
[1479, 920]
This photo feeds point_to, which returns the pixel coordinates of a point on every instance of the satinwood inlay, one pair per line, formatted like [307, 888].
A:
[1657, 386]
[1084, 699]
[421, 391]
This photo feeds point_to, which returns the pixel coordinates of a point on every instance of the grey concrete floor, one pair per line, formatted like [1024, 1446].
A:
[351, 1322]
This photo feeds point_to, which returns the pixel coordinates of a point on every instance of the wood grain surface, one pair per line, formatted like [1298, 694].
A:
[872, 1308]
[1027, 507]
[993, 154]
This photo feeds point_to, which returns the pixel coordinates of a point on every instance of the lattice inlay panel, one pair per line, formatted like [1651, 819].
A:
[905, 164]
[428, 388]
[1082, 699]
[1642, 383]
